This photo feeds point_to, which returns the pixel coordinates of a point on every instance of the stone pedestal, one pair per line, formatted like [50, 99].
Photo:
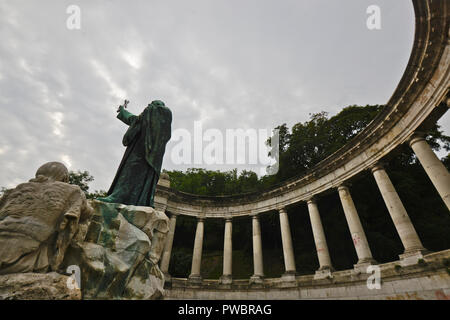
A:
[117, 260]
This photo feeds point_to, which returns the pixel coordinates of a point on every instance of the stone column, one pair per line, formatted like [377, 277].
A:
[356, 230]
[258, 271]
[195, 275]
[288, 252]
[404, 226]
[168, 247]
[227, 253]
[436, 171]
[323, 254]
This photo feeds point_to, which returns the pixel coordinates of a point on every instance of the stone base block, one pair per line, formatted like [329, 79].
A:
[256, 279]
[288, 279]
[323, 274]
[361, 266]
[195, 279]
[226, 279]
[412, 257]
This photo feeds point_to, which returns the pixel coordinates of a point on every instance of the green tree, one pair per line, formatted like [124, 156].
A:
[3, 190]
[213, 183]
[82, 179]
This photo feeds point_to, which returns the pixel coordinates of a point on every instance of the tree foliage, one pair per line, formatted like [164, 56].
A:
[82, 179]
[3, 190]
[312, 141]
[213, 183]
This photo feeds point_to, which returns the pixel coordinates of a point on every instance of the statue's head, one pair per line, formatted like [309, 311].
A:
[53, 171]
[157, 103]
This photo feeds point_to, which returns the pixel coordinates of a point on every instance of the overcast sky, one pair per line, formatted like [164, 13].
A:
[227, 63]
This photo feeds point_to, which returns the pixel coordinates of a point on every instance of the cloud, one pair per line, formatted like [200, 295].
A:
[229, 64]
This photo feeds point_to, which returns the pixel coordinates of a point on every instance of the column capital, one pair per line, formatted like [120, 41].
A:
[174, 215]
[377, 166]
[282, 210]
[344, 186]
[255, 217]
[416, 137]
[313, 199]
[200, 219]
[228, 219]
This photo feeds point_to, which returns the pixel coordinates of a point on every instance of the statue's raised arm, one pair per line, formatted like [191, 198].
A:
[126, 116]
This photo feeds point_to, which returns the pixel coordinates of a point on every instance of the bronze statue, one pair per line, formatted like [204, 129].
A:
[146, 139]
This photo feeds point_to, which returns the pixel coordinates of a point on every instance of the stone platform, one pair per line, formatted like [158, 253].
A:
[429, 280]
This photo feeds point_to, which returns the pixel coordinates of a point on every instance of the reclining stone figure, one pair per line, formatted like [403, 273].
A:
[48, 226]
[38, 220]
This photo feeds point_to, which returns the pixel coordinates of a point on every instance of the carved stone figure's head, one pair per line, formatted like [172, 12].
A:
[54, 171]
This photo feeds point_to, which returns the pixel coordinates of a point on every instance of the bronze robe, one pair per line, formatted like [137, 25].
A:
[146, 139]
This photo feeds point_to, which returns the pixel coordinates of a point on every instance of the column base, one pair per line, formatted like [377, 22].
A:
[412, 257]
[323, 273]
[226, 279]
[362, 265]
[256, 279]
[289, 276]
[195, 279]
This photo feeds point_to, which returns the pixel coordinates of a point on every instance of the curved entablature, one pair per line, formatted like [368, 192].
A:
[423, 87]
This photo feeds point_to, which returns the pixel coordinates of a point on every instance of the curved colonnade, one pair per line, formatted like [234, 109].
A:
[420, 99]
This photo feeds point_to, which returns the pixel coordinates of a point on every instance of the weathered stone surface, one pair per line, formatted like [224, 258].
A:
[47, 225]
[117, 259]
[37, 286]
[38, 219]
